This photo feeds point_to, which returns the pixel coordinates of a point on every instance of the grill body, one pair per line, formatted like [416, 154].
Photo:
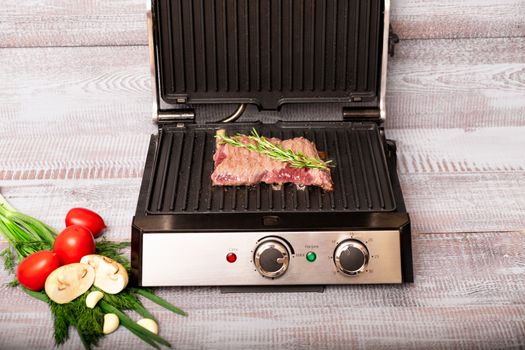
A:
[292, 62]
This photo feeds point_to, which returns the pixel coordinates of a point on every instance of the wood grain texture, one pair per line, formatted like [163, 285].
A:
[457, 83]
[417, 19]
[32, 23]
[465, 151]
[432, 84]
[96, 155]
[49, 91]
[476, 301]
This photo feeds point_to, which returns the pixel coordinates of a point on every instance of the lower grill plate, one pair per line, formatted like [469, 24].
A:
[183, 162]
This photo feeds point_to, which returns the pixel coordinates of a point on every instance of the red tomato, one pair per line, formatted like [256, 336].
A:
[73, 243]
[34, 269]
[87, 218]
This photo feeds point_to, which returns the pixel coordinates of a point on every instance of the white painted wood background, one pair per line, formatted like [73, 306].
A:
[74, 127]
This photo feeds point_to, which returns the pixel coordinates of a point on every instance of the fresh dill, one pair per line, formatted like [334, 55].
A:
[9, 260]
[264, 146]
[9, 264]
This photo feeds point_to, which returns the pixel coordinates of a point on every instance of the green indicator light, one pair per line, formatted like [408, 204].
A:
[311, 256]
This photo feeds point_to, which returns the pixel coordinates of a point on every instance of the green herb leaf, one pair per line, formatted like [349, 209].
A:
[37, 295]
[9, 260]
[13, 283]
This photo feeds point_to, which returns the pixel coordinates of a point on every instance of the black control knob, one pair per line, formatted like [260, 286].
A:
[271, 258]
[351, 257]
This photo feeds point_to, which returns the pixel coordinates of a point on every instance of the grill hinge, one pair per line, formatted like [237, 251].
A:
[175, 116]
[362, 114]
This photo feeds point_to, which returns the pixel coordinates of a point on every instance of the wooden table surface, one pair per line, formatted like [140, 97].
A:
[75, 103]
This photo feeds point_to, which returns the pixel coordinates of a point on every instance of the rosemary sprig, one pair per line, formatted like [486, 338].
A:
[263, 146]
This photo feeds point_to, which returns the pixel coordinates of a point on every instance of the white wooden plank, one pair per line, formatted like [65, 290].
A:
[460, 150]
[72, 156]
[437, 202]
[33, 23]
[66, 91]
[468, 202]
[457, 83]
[442, 83]
[469, 293]
[94, 155]
[415, 19]
[453, 179]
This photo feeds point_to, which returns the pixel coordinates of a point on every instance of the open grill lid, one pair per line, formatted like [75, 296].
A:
[269, 52]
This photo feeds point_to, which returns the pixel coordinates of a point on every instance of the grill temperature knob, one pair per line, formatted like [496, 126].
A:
[351, 257]
[271, 258]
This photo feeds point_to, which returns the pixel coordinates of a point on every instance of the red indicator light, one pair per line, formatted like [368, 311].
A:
[231, 257]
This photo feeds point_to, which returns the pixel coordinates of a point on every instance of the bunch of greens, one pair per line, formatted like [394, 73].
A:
[27, 235]
[262, 145]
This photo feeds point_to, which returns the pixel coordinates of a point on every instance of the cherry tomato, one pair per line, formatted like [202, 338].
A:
[73, 243]
[34, 269]
[87, 218]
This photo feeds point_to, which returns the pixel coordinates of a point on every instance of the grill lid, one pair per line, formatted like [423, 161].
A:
[269, 52]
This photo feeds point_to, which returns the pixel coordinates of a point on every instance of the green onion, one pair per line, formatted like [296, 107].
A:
[158, 300]
[133, 326]
[25, 234]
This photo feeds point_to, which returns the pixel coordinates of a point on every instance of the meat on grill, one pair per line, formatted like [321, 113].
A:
[235, 166]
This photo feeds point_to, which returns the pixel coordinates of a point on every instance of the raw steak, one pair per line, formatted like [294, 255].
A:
[238, 166]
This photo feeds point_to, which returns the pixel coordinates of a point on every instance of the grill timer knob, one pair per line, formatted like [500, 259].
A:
[351, 257]
[271, 259]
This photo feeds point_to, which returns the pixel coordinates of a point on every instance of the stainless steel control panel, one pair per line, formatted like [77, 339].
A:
[271, 258]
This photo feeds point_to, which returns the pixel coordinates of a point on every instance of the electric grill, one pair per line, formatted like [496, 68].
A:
[310, 68]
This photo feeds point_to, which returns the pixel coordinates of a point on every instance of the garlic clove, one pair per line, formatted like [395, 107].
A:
[68, 282]
[149, 324]
[93, 298]
[110, 276]
[111, 323]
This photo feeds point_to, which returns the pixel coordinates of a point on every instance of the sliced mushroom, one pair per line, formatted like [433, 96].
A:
[110, 276]
[68, 282]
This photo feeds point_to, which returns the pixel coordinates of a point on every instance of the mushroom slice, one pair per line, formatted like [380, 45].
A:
[68, 282]
[110, 276]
